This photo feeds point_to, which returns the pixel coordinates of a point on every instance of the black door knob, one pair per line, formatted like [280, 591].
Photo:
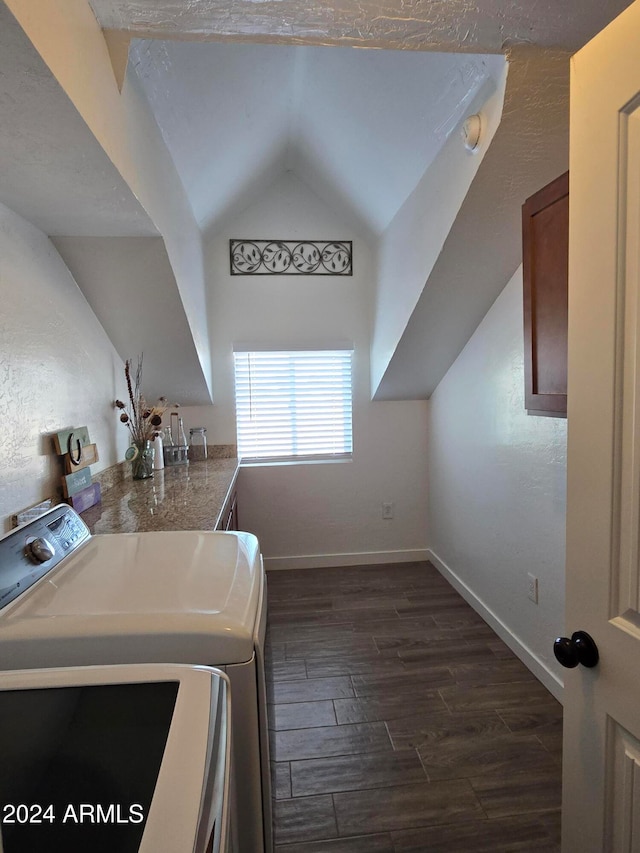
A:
[579, 649]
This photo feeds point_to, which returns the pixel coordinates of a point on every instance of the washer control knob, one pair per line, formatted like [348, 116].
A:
[40, 550]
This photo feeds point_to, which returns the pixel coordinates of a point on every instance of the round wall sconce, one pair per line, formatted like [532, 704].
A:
[471, 132]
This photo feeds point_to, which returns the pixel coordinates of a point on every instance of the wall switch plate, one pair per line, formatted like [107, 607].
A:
[532, 587]
[387, 509]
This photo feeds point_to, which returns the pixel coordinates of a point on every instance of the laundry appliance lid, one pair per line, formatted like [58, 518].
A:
[100, 748]
[176, 596]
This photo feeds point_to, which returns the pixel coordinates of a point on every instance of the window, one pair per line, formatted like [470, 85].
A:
[292, 405]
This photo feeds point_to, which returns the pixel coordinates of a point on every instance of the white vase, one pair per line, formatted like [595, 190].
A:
[158, 459]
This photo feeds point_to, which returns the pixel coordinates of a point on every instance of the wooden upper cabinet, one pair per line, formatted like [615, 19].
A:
[545, 259]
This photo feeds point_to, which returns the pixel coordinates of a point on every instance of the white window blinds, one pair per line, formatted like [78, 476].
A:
[293, 404]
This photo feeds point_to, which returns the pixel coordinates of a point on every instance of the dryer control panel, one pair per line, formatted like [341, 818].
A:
[29, 552]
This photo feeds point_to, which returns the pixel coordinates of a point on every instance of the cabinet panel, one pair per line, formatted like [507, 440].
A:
[229, 514]
[545, 257]
[232, 516]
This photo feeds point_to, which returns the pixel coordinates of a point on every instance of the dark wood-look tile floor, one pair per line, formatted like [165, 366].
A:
[401, 723]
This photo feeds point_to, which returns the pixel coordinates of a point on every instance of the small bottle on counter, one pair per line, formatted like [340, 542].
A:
[178, 453]
[198, 443]
[182, 438]
[177, 430]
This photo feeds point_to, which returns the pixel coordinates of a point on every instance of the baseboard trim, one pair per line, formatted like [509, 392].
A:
[358, 558]
[529, 659]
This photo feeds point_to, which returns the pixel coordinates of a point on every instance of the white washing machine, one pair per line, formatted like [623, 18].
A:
[90, 758]
[71, 599]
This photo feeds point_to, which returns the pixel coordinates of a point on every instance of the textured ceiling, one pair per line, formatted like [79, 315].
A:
[472, 25]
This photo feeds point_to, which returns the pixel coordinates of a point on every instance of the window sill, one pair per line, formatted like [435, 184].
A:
[273, 463]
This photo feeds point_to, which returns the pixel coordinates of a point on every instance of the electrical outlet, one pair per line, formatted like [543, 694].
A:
[532, 587]
[387, 510]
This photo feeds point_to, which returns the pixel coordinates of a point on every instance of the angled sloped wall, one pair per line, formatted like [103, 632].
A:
[70, 41]
[410, 245]
[483, 246]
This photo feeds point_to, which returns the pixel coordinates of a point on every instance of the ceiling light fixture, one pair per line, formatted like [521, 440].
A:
[471, 132]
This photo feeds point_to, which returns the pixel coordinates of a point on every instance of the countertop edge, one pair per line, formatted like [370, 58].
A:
[181, 497]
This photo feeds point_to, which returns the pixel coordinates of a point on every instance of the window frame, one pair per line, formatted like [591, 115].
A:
[294, 400]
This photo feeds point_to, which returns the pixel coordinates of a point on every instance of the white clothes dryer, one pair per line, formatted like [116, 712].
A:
[91, 755]
[68, 598]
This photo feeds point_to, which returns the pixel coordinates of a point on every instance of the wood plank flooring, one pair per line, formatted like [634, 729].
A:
[401, 723]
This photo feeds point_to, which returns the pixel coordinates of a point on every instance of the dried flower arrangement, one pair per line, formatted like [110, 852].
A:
[142, 420]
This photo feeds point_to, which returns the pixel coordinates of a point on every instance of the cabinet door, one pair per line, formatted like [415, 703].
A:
[545, 258]
[232, 518]
[229, 514]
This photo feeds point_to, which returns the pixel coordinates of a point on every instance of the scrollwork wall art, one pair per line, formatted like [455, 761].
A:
[291, 257]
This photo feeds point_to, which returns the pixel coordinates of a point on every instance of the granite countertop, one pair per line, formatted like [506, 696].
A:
[181, 497]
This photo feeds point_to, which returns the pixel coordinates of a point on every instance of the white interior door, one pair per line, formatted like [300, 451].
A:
[601, 790]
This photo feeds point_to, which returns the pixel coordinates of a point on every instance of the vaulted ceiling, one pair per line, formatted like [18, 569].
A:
[360, 127]
[365, 124]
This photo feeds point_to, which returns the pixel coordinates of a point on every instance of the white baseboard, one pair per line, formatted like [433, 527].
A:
[359, 558]
[530, 660]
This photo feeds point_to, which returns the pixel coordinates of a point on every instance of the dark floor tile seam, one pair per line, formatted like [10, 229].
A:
[302, 661]
[310, 797]
[536, 706]
[299, 846]
[359, 788]
[311, 730]
[328, 652]
[275, 799]
[398, 836]
[481, 816]
[364, 652]
[469, 682]
[275, 706]
[551, 752]
[474, 709]
[296, 626]
[405, 748]
[426, 772]
[533, 811]
[288, 700]
[290, 680]
[291, 626]
[310, 679]
[444, 701]
[318, 603]
[288, 763]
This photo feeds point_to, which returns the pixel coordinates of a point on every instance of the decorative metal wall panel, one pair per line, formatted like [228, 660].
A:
[291, 257]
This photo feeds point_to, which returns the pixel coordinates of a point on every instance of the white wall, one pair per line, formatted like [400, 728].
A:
[57, 367]
[131, 277]
[329, 512]
[497, 490]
